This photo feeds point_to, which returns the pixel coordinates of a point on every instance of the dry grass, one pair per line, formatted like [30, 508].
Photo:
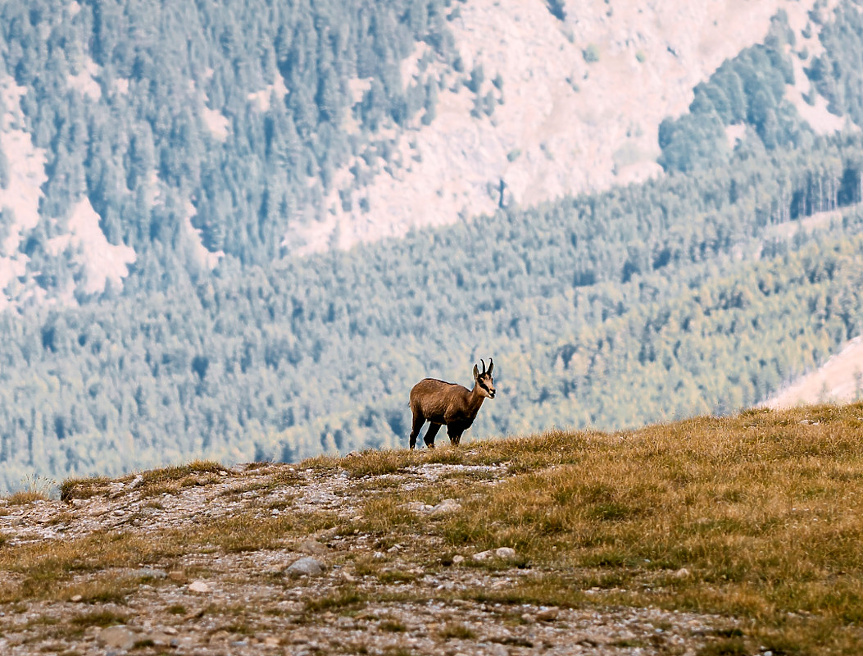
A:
[48, 569]
[456, 631]
[154, 482]
[83, 488]
[23, 497]
[757, 517]
[33, 489]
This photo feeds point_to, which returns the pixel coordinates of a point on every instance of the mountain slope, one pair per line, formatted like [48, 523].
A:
[718, 535]
[534, 116]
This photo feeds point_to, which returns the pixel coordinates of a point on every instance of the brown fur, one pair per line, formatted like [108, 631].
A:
[441, 403]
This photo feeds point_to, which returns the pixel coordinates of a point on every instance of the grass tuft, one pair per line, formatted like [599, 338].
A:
[100, 618]
[456, 631]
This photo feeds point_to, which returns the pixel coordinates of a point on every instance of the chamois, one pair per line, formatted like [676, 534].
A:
[441, 403]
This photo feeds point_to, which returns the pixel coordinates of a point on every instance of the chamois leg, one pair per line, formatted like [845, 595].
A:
[429, 438]
[416, 426]
[454, 434]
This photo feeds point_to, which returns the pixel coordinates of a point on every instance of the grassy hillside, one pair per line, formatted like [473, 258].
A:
[730, 535]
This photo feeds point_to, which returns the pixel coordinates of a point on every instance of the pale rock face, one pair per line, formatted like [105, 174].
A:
[262, 98]
[566, 125]
[24, 191]
[204, 257]
[839, 380]
[100, 260]
[84, 80]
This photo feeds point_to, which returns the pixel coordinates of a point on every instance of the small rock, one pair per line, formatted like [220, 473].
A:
[507, 553]
[223, 473]
[547, 614]
[345, 622]
[496, 649]
[457, 560]
[184, 642]
[170, 630]
[418, 507]
[378, 555]
[118, 636]
[347, 576]
[199, 586]
[76, 598]
[312, 548]
[682, 573]
[271, 641]
[482, 555]
[445, 507]
[394, 549]
[116, 489]
[160, 638]
[136, 482]
[306, 566]
[527, 618]
[176, 575]
[152, 573]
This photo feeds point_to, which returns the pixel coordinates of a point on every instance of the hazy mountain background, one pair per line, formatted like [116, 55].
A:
[243, 230]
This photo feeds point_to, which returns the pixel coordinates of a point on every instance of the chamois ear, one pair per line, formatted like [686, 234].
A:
[490, 366]
[475, 372]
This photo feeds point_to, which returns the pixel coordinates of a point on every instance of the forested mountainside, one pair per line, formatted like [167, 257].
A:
[188, 129]
[704, 289]
[678, 296]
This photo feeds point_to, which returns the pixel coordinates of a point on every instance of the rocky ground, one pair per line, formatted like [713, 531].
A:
[291, 560]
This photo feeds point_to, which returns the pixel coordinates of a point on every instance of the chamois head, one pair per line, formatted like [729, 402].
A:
[484, 381]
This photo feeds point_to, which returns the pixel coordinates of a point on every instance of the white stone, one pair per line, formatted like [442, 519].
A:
[118, 636]
[507, 553]
[312, 548]
[306, 566]
[445, 507]
[199, 586]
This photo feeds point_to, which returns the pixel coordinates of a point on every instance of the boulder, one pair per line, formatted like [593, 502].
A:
[199, 586]
[312, 548]
[445, 507]
[306, 566]
[118, 637]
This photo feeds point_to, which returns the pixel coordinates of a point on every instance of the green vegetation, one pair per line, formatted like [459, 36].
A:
[680, 296]
[591, 53]
[182, 63]
[749, 90]
[666, 299]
